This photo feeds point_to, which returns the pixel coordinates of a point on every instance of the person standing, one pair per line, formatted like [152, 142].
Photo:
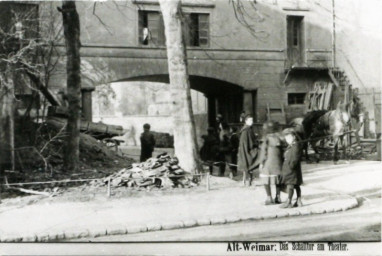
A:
[210, 148]
[242, 117]
[219, 124]
[147, 143]
[291, 174]
[248, 148]
[271, 160]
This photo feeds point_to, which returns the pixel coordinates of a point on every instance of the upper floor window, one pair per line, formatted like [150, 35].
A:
[195, 29]
[295, 45]
[151, 28]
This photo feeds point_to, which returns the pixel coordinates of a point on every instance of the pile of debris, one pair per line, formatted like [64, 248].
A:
[162, 172]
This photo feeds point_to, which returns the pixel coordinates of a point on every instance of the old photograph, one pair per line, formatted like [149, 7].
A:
[191, 121]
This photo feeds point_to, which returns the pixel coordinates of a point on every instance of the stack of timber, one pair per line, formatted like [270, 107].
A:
[97, 130]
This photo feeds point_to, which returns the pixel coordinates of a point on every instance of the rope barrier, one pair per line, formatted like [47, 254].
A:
[98, 179]
[323, 137]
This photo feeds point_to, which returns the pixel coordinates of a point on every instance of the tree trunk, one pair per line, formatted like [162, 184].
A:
[185, 143]
[7, 139]
[71, 24]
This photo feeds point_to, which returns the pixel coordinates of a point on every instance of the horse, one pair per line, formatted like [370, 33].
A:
[322, 123]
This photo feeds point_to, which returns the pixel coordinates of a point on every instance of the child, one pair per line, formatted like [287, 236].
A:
[271, 159]
[147, 143]
[291, 174]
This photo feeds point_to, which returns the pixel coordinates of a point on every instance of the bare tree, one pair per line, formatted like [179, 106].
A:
[185, 142]
[71, 24]
[22, 51]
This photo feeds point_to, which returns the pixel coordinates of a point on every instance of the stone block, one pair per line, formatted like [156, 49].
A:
[318, 210]
[116, 231]
[233, 219]
[172, 225]
[304, 211]
[293, 212]
[216, 221]
[136, 229]
[97, 233]
[282, 214]
[189, 223]
[203, 222]
[269, 216]
[154, 227]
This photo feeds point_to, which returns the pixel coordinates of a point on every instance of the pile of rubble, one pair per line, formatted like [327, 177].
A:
[162, 172]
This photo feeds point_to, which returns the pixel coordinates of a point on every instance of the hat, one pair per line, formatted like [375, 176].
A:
[289, 131]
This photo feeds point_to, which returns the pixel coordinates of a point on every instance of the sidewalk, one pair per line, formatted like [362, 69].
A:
[226, 202]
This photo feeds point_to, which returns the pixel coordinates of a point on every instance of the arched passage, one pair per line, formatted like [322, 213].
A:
[223, 97]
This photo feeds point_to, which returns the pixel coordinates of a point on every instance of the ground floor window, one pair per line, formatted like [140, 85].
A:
[296, 98]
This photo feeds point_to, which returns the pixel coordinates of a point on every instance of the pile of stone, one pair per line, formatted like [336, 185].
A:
[162, 172]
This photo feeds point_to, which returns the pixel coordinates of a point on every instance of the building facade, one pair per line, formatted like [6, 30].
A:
[262, 57]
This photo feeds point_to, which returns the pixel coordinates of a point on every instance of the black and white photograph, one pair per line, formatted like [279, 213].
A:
[211, 127]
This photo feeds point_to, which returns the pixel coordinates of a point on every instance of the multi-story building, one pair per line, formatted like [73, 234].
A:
[262, 57]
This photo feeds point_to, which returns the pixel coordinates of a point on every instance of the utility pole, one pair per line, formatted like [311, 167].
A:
[334, 35]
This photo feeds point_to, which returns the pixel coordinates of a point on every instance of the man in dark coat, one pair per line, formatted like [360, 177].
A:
[147, 143]
[248, 148]
[209, 150]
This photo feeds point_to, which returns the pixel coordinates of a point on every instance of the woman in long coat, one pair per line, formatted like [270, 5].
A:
[248, 148]
[271, 160]
[291, 174]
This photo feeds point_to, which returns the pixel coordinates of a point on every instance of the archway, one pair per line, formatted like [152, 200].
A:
[223, 97]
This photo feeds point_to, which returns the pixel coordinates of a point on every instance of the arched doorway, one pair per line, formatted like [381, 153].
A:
[222, 97]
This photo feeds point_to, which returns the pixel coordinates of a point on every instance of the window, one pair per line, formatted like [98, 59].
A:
[294, 27]
[151, 28]
[195, 29]
[295, 42]
[296, 98]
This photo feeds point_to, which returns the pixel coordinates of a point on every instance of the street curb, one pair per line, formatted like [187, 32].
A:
[47, 237]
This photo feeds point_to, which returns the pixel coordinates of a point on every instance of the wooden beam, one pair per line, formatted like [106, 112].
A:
[331, 75]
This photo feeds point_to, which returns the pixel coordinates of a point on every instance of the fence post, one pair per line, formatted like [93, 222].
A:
[108, 188]
[208, 181]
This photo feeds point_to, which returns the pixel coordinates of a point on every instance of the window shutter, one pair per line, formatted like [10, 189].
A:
[153, 26]
[186, 29]
[140, 26]
[203, 29]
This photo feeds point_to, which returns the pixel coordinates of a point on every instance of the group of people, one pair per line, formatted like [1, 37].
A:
[280, 164]
[276, 155]
[221, 146]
